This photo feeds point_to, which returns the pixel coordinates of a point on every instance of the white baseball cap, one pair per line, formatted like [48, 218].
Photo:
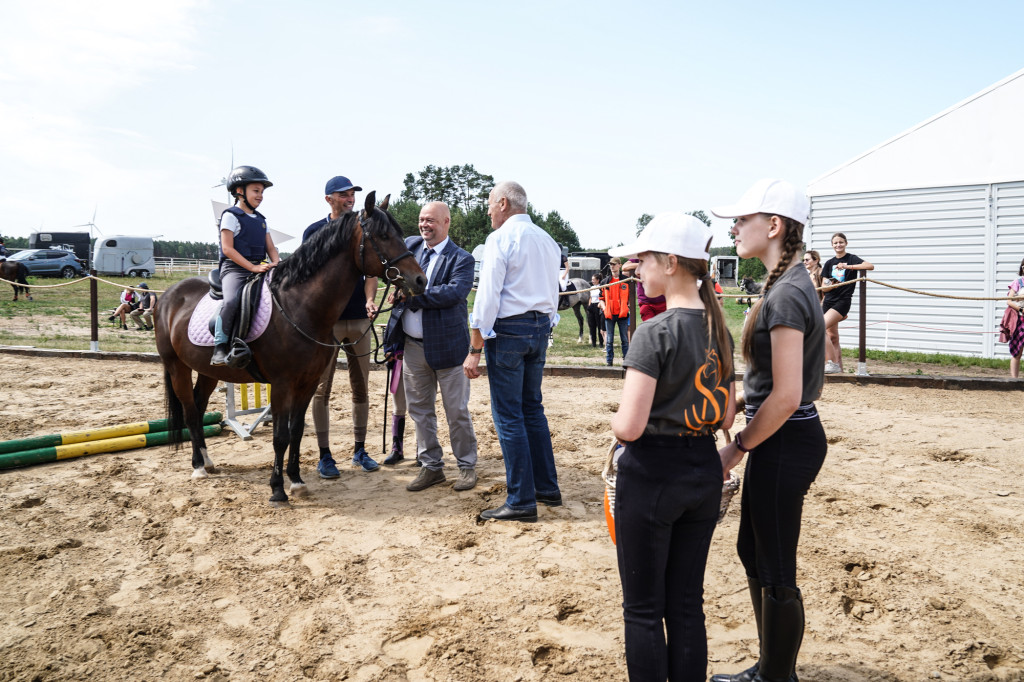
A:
[775, 197]
[674, 232]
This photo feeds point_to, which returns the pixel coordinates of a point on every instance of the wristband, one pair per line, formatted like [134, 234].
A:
[739, 443]
[475, 351]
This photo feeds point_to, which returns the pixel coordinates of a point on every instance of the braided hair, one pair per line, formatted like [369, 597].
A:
[792, 243]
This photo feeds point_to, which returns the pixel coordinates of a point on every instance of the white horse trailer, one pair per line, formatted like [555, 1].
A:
[124, 255]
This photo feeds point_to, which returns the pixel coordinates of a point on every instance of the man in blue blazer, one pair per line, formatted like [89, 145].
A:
[435, 328]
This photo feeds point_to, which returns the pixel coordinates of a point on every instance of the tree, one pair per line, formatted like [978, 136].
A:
[701, 216]
[458, 186]
[642, 221]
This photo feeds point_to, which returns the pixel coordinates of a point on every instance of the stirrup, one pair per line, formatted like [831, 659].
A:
[239, 355]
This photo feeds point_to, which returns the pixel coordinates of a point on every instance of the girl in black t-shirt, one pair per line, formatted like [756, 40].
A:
[678, 390]
[844, 267]
[783, 344]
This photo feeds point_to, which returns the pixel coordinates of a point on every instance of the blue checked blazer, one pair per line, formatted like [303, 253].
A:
[445, 314]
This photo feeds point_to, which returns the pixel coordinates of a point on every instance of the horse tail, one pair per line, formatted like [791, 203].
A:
[175, 413]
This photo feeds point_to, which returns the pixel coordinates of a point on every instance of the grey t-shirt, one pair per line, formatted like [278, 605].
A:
[691, 394]
[791, 302]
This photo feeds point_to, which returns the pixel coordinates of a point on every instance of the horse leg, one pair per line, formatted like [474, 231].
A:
[579, 318]
[296, 426]
[201, 395]
[281, 436]
[179, 380]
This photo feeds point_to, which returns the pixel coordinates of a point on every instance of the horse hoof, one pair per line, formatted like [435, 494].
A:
[299, 489]
[280, 504]
[199, 473]
[210, 468]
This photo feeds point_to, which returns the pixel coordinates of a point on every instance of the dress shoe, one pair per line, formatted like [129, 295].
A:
[467, 479]
[505, 513]
[747, 675]
[550, 500]
[425, 479]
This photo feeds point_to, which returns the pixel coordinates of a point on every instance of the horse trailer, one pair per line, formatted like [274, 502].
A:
[78, 242]
[125, 255]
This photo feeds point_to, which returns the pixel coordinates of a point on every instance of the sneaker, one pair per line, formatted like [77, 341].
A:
[327, 468]
[467, 480]
[363, 460]
[832, 367]
[425, 479]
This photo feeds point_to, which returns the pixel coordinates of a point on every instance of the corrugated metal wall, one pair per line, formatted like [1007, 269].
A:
[959, 241]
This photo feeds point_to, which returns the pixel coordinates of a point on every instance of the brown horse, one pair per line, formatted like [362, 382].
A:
[15, 273]
[310, 289]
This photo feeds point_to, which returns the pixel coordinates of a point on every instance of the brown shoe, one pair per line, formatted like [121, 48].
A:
[467, 480]
[425, 479]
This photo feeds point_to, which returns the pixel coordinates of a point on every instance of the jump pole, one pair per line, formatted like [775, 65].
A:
[95, 447]
[103, 433]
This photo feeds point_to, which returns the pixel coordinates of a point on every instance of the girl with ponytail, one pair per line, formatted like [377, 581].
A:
[677, 392]
[784, 347]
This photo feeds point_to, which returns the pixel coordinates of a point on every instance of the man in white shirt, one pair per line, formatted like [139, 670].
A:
[515, 309]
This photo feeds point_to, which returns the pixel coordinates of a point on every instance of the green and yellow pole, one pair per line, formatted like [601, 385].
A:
[94, 447]
[102, 433]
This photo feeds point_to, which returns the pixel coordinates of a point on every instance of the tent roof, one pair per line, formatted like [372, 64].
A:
[978, 141]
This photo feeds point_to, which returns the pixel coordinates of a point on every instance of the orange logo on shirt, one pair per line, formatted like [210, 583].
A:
[711, 409]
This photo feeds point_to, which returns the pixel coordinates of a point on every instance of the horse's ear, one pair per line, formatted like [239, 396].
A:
[384, 204]
[370, 199]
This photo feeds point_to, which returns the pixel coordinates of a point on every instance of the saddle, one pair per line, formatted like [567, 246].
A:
[250, 314]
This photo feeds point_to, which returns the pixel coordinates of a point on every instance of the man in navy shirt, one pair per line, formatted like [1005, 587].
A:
[351, 328]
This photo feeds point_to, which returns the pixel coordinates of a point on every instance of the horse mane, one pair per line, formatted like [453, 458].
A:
[314, 253]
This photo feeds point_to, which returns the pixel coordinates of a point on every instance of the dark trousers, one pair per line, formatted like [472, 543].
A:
[232, 279]
[778, 475]
[595, 321]
[667, 494]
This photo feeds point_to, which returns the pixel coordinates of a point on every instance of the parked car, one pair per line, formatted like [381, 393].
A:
[50, 263]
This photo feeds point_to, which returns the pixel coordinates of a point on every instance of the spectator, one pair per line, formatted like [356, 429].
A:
[516, 302]
[595, 318]
[142, 316]
[1015, 328]
[436, 341]
[843, 267]
[351, 329]
[129, 302]
[812, 261]
[649, 307]
[615, 304]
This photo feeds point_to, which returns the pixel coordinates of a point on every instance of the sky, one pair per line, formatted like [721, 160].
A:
[131, 111]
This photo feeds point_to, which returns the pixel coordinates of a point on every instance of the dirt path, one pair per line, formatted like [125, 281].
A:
[119, 567]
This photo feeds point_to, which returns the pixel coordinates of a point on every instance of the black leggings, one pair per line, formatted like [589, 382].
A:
[666, 506]
[595, 321]
[778, 475]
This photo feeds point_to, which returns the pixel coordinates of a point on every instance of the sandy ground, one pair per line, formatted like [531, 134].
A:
[118, 566]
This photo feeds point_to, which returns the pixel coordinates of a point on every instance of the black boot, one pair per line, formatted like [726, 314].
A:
[397, 436]
[220, 355]
[754, 585]
[783, 622]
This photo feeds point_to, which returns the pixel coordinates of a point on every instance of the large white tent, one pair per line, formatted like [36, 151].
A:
[938, 208]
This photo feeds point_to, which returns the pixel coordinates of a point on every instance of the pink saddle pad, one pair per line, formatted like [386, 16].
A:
[199, 326]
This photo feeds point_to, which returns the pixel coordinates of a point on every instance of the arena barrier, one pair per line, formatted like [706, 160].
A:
[259, 408]
[41, 449]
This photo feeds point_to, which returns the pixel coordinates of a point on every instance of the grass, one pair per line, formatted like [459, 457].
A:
[59, 318]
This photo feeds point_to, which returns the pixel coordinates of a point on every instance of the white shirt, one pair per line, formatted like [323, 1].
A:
[412, 320]
[519, 274]
[229, 221]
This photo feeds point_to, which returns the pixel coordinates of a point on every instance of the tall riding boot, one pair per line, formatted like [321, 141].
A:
[783, 633]
[754, 586]
[397, 437]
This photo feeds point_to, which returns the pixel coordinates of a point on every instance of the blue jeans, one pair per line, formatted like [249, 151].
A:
[609, 337]
[515, 367]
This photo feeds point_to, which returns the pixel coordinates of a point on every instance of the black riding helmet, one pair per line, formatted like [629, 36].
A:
[243, 176]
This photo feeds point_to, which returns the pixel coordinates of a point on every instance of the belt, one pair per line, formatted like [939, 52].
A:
[413, 338]
[532, 315]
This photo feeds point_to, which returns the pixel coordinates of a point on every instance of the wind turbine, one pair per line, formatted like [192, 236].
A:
[92, 226]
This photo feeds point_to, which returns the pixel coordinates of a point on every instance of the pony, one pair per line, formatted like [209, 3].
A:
[576, 300]
[309, 290]
[15, 273]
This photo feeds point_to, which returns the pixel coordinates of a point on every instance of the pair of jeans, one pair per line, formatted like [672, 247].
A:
[609, 334]
[778, 474]
[515, 367]
[667, 493]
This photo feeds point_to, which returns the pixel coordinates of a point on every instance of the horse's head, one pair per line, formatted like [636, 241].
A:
[387, 255]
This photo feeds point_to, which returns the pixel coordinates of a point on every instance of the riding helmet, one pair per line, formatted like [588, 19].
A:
[244, 175]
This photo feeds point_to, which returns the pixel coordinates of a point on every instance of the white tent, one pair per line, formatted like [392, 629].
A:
[938, 208]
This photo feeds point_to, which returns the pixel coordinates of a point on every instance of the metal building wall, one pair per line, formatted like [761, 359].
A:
[942, 240]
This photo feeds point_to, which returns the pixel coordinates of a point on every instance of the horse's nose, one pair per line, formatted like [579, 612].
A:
[419, 283]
